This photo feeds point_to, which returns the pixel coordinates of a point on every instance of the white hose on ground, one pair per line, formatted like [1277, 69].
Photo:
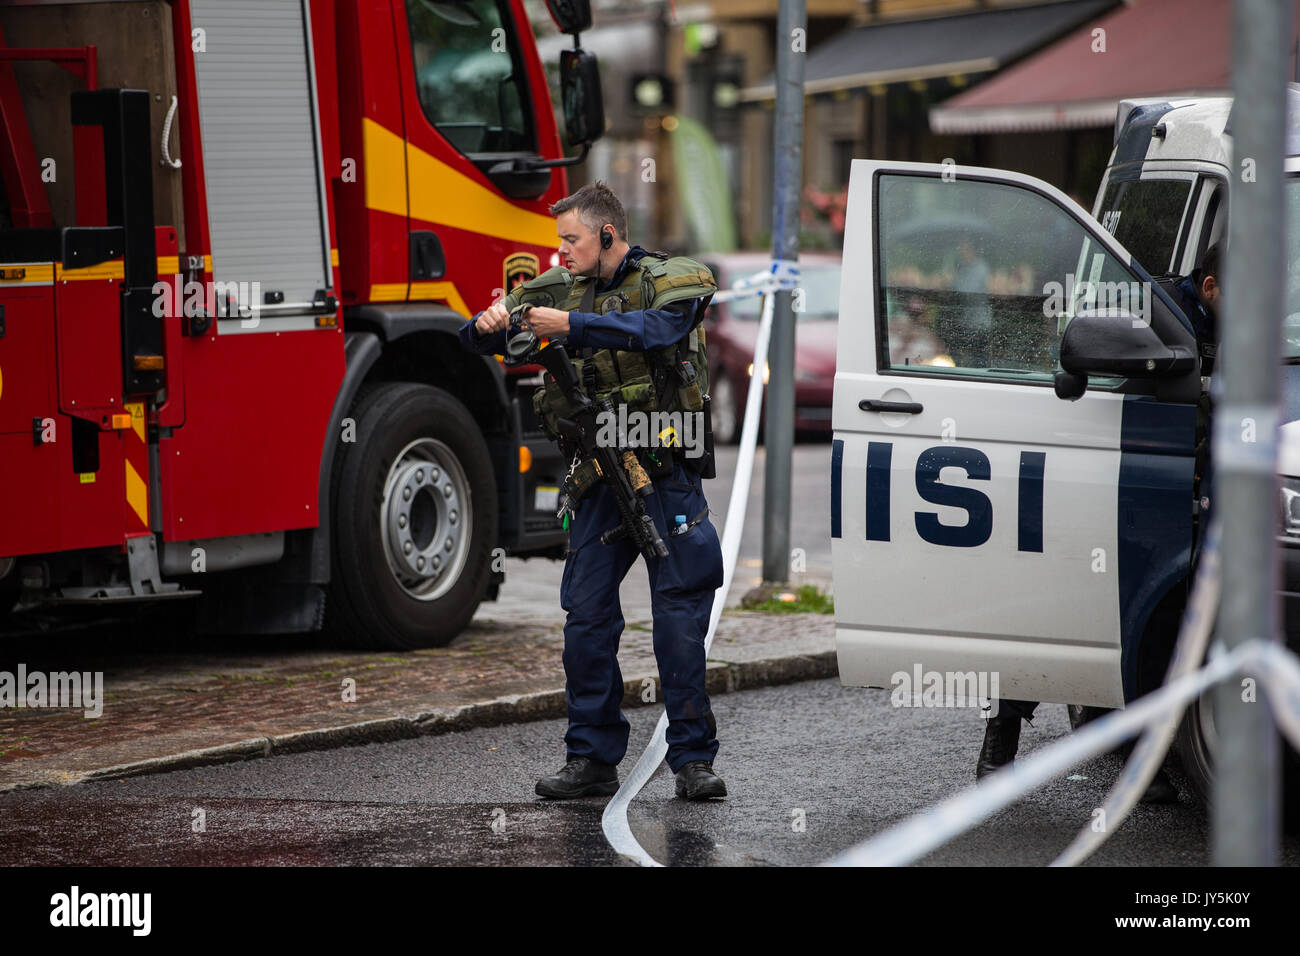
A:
[614, 820]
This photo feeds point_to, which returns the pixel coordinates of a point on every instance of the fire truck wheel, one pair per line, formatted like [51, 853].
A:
[414, 517]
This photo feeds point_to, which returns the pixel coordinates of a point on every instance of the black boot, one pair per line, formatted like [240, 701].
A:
[1001, 738]
[1160, 790]
[697, 781]
[580, 777]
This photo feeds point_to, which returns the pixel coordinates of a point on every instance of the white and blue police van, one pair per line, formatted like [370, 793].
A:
[982, 522]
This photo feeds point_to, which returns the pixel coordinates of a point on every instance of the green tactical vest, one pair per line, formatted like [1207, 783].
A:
[628, 378]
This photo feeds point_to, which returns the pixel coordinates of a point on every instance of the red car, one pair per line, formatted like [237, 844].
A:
[732, 327]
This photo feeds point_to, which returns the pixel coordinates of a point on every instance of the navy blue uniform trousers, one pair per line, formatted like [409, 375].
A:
[681, 591]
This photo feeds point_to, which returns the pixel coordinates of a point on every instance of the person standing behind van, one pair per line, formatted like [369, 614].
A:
[1198, 296]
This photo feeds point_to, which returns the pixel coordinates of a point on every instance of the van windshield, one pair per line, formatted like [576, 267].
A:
[1145, 216]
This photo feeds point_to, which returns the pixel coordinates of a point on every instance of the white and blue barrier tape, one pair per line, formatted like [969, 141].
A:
[1149, 754]
[926, 831]
[1158, 712]
[781, 275]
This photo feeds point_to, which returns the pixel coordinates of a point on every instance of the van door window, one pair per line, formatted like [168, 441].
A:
[980, 278]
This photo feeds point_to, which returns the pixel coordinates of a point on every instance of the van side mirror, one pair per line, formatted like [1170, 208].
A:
[1119, 343]
[1069, 386]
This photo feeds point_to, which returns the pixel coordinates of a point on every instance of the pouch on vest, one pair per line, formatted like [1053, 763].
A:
[580, 481]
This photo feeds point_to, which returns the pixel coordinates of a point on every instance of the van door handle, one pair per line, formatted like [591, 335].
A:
[876, 405]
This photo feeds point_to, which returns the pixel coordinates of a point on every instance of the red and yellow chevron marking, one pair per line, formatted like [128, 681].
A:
[136, 456]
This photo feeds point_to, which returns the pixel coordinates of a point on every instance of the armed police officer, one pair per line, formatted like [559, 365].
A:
[630, 320]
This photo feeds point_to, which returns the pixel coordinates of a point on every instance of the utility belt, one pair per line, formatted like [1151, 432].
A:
[657, 462]
[664, 382]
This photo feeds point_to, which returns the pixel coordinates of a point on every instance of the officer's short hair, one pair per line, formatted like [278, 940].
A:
[1209, 265]
[596, 205]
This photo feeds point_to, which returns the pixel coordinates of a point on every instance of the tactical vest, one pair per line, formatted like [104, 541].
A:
[642, 381]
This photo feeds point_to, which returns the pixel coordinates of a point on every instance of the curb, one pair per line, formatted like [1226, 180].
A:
[720, 677]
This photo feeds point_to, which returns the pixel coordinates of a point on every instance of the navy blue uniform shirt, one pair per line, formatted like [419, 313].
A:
[1203, 322]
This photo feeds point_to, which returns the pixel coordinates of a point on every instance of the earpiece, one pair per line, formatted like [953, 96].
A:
[606, 238]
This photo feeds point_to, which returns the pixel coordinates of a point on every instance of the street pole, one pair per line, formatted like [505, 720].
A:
[787, 181]
[1246, 804]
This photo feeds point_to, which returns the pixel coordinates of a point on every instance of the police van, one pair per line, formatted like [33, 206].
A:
[988, 513]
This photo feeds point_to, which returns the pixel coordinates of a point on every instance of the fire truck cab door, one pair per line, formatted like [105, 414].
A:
[262, 162]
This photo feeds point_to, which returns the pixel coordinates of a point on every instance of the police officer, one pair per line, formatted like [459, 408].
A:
[1198, 296]
[630, 320]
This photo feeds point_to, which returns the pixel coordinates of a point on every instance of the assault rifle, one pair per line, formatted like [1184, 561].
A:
[617, 467]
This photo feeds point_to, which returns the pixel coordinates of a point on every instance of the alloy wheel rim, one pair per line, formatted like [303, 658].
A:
[425, 519]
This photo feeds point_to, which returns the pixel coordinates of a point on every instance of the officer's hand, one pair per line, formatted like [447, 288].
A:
[548, 322]
[493, 319]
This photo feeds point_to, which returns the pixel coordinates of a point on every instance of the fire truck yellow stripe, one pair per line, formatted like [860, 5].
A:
[104, 270]
[385, 169]
[32, 273]
[137, 495]
[43, 273]
[136, 411]
[388, 292]
[440, 194]
[400, 292]
[446, 291]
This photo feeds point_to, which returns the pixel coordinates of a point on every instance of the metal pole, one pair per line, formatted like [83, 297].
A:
[787, 181]
[1245, 817]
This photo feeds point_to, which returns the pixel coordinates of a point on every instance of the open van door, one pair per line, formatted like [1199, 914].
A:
[979, 522]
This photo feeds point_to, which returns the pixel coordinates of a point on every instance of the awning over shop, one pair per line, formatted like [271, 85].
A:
[941, 46]
[1145, 48]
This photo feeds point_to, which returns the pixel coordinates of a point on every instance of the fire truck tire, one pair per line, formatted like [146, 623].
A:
[414, 511]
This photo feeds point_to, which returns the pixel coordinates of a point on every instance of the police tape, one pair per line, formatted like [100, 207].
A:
[1274, 667]
[614, 820]
[1149, 754]
[781, 274]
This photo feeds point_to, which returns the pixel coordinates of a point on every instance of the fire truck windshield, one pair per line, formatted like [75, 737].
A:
[470, 75]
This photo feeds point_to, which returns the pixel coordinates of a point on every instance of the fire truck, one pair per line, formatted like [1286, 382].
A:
[237, 239]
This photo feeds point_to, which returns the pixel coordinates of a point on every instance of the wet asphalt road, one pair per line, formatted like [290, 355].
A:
[842, 759]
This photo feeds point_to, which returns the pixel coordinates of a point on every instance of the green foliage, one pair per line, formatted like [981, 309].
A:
[808, 599]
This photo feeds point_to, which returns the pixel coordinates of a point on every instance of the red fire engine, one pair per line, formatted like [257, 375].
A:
[237, 238]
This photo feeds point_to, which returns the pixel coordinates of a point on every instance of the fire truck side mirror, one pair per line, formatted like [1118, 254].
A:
[570, 16]
[584, 110]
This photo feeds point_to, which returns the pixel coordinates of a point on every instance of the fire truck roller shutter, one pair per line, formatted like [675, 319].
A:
[262, 158]
[414, 520]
